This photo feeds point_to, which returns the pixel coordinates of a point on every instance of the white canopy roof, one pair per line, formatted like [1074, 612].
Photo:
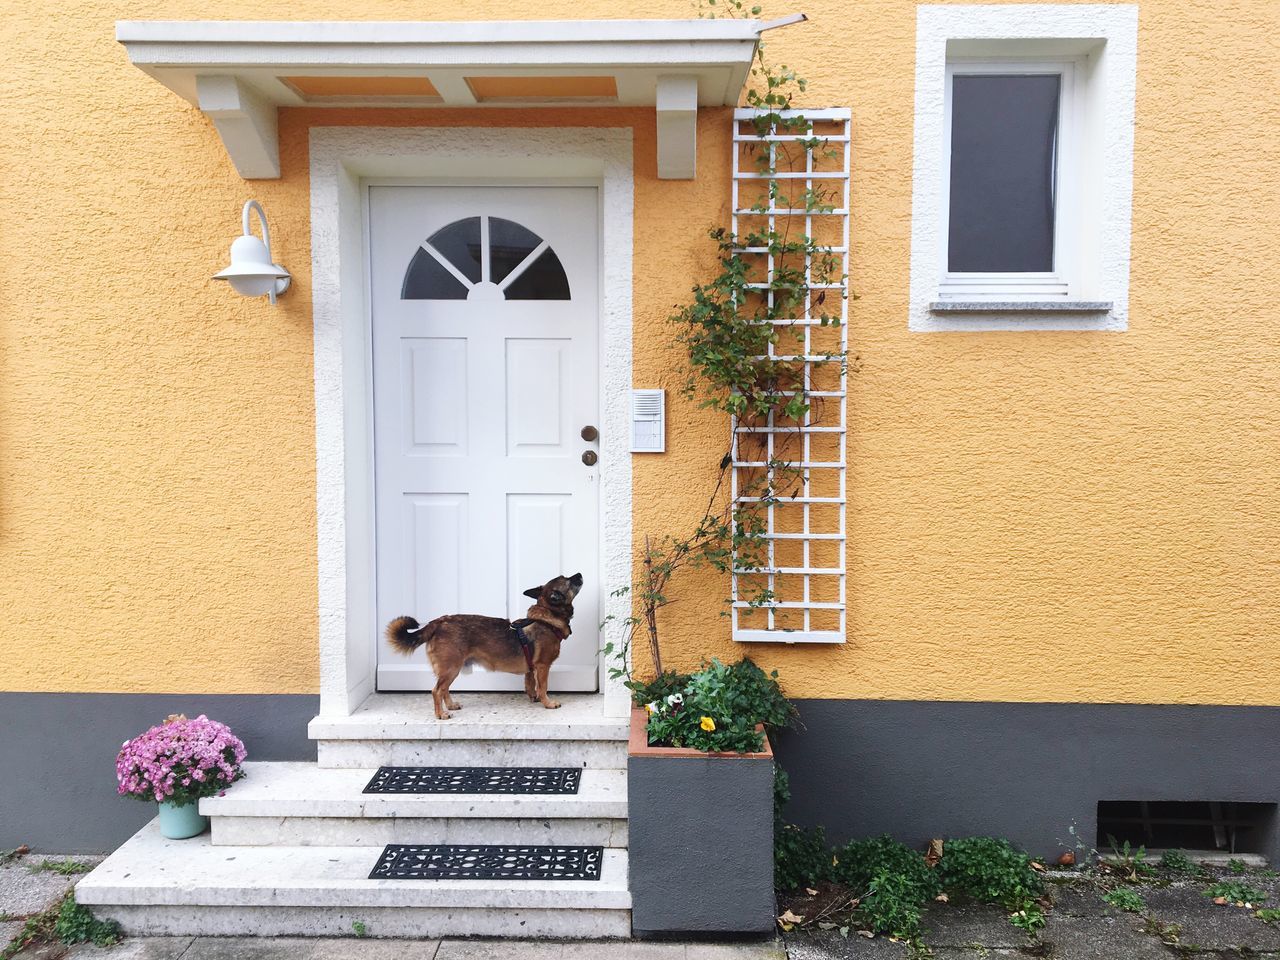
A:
[239, 72]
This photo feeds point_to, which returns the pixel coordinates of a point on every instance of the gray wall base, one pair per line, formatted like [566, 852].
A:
[1026, 771]
[58, 757]
[700, 845]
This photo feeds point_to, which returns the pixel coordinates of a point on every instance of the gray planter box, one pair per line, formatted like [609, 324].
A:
[700, 839]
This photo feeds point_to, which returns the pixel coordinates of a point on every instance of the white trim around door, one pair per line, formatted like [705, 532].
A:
[342, 158]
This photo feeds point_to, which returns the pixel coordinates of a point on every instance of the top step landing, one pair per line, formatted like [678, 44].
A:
[484, 716]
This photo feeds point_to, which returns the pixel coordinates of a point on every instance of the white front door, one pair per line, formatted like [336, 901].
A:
[485, 305]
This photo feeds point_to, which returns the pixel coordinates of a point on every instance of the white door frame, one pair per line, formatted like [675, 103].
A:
[342, 158]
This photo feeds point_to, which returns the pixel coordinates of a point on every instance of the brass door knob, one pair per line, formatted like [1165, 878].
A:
[589, 458]
[590, 433]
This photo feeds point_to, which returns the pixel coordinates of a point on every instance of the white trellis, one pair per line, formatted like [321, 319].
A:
[805, 534]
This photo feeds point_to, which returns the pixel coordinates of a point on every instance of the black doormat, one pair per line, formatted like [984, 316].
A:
[406, 861]
[475, 780]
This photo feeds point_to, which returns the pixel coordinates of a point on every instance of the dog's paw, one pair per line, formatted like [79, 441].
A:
[551, 704]
[444, 716]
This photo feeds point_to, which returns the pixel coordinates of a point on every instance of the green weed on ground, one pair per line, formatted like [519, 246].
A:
[1179, 864]
[64, 922]
[1236, 891]
[66, 868]
[896, 879]
[989, 870]
[1127, 900]
[1128, 861]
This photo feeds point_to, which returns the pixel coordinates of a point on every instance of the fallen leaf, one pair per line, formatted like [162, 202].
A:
[1037, 865]
[942, 898]
[866, 933]
[810, 891]
[1068, 859]
[826, 925]
[789, 917]
[844, 932]
[934, 853]
[1220, 901]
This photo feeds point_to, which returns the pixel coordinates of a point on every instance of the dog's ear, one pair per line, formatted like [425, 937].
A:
[533, 593]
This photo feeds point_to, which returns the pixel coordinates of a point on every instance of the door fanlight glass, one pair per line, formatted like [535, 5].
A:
[485, 258]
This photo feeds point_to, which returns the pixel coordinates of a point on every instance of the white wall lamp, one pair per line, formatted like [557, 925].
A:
[252, 272]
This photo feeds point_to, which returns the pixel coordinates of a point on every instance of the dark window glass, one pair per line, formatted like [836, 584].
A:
[1003, 139]
[509, 244]
[460, 244]
[544, 280]
[426, 279]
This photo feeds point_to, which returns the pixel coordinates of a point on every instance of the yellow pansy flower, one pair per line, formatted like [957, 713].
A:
[707, 724]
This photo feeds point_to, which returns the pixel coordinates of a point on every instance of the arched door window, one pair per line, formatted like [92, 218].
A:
[485, 258]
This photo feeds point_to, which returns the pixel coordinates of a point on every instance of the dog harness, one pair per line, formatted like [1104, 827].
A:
[526, 645]
[526, 642]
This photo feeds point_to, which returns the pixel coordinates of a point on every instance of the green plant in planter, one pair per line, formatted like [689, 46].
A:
[719, 709]
[659, 688]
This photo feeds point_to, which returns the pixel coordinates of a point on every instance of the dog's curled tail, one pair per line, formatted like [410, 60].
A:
[406, 635]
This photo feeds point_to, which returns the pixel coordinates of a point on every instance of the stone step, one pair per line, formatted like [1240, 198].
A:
[300, 804]
[491, 729]
[153, 886]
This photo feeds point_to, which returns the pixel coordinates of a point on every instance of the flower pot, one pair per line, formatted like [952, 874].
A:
[179, 823]
[700, 838]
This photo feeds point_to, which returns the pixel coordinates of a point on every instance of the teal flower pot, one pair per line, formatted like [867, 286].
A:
[179, 823]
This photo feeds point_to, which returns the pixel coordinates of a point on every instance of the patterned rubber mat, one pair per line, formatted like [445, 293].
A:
[557, 780]
[406, 861]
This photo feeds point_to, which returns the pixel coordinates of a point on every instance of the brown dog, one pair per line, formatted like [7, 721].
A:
[457, 639]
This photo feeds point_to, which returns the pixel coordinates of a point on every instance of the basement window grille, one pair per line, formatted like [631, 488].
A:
[803, 574]
[1199, 825]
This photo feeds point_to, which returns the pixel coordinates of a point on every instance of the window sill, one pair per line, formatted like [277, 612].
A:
[1021, 306]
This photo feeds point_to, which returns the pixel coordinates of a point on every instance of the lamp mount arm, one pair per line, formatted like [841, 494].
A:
[252, 206]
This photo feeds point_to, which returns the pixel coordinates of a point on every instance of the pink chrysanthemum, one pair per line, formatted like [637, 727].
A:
[180, 761]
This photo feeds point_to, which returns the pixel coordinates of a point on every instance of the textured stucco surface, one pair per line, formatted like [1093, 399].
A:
[674, 846]
[1026, 771]
[1033, 516]
[59, 751]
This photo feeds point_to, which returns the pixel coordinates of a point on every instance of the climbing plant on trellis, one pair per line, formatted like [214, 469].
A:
[766, 343]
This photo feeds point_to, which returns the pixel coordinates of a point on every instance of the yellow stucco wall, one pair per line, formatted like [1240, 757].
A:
[1033, 516]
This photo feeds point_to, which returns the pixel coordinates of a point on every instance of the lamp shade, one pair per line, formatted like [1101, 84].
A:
[252, 272]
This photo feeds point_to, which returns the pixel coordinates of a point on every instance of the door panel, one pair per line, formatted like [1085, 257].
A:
[434, 544]
[435, 390]
[537, 414]
[484, 304]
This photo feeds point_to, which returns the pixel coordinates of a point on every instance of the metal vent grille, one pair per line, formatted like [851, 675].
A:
[804, 573]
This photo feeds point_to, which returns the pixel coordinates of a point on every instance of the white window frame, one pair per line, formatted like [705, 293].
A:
[1062, 281]
[1101, 42]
